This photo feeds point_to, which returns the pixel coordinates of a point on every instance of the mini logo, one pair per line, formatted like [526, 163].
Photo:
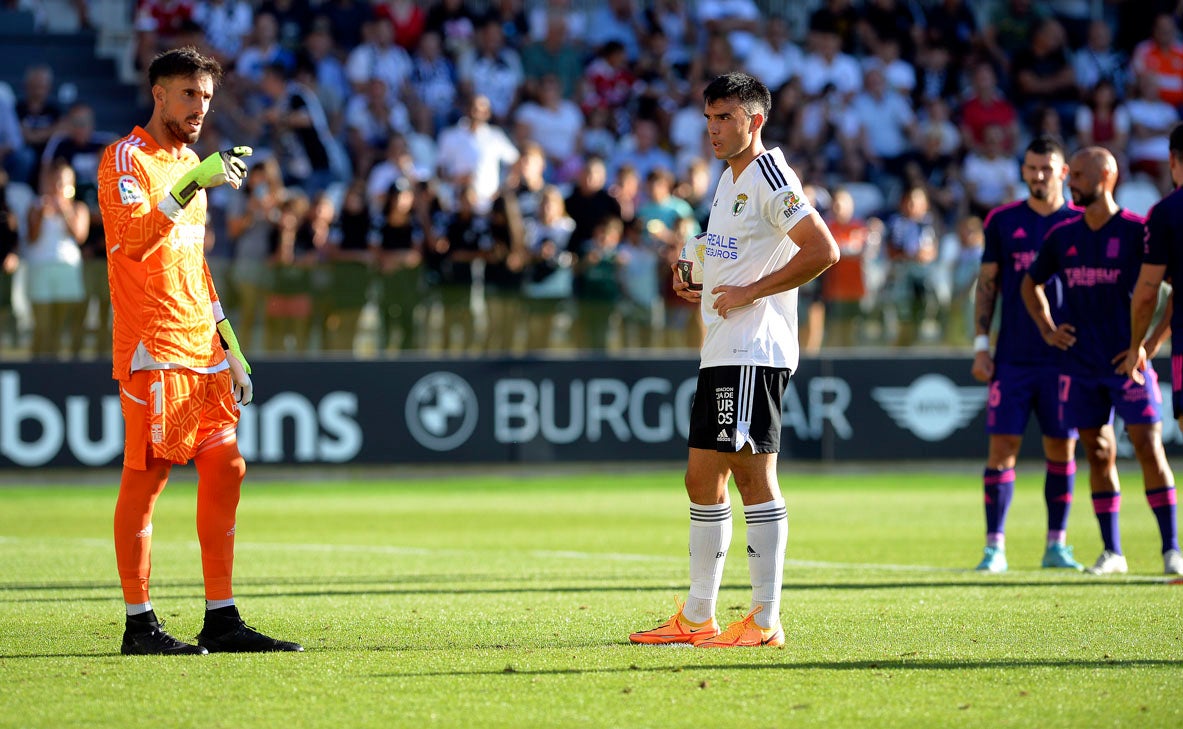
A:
[737, 207]
[157, 433]
[145, 532]
[129, 190]
[1113, 248]
[1020, 233]
[932, 407]
[233, 529]
[1071, 251]
[441, 411]
[752, 552]
[723, 437]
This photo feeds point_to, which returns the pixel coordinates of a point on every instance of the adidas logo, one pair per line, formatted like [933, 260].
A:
[723, 437]
[1071, 251]
[1020, 233]
[752, 552]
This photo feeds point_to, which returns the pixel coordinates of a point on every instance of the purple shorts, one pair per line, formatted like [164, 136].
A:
[1090, 401]
[1016, 391]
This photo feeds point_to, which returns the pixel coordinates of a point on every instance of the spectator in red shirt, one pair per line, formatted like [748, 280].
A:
[986, 108]
[407, 19]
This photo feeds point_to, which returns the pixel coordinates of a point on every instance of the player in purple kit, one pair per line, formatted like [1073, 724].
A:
[1163, 260]
[1024, 372]
[1098, 255]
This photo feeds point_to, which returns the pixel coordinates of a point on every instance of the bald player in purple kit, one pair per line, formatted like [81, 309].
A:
[1098, 255]
[1023, 373]
[1163, 260]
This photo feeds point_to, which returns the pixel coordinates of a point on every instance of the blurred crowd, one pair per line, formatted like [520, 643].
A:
[505, 176]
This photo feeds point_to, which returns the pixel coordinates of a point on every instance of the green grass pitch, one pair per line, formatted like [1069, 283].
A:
[506, 600]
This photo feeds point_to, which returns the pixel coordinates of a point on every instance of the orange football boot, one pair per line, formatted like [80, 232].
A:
[677, 630]
[745, 632]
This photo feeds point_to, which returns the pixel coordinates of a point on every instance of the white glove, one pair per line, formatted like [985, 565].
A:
[244, 391]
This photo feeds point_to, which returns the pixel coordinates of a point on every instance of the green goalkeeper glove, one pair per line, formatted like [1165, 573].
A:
[231, 343]
[225, 167]
[240, 369]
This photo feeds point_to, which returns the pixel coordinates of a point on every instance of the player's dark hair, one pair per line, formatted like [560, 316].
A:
[1176, 145]
[1047, 144]
[752, 95]
[183, 62]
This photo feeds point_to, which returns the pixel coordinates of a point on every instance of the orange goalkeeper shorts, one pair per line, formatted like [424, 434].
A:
[168, 414]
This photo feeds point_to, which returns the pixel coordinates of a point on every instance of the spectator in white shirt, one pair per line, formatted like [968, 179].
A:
[226, 23]
[473, 152]
[370, 121]
[739, 20]
[991, 176]
[493, 69]
[1151, 120]
[553, 122]
[1097, 60]
[773, 58]
[886, 125]
[378, 57]
[828, 65]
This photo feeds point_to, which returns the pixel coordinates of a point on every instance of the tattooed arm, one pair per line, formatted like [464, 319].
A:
[985, 299]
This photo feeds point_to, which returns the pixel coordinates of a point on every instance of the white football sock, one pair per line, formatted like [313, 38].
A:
[768, 534]
[710, 536]
[216, 604]
[138, 608]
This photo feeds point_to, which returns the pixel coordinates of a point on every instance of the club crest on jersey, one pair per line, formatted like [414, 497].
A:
[741, 201]
[129, 190]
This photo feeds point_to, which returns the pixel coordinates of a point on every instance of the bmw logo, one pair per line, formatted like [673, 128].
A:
[441, 411]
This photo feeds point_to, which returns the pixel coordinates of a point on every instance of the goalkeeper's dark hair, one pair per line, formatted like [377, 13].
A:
[1176, 145]
[1047, 144]
[750, 92]
[183, 62]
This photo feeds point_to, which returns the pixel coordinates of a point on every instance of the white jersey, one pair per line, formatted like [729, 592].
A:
[747, 239]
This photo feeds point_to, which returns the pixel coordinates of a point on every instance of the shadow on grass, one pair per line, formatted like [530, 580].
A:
[463, 584]
[861, 665]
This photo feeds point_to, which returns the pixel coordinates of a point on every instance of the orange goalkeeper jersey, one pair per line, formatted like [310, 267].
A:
[162, 294]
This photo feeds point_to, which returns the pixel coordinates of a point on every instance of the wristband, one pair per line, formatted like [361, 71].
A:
[982, 343]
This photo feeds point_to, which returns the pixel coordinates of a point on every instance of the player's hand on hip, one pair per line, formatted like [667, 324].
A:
[1132, 362]
[983, 367]
[1062, 337]
[728, 298]
[244, 389]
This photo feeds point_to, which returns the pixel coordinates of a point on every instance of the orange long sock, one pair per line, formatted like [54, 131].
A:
[138, 491]
[220, 470]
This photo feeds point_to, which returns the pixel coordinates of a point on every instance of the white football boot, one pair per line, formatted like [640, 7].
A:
[1172, 562]
[1109, 563]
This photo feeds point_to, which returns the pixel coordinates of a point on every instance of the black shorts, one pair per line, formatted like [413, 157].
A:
[735, 405]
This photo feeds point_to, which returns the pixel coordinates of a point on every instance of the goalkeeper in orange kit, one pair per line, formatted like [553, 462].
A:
[182, 376]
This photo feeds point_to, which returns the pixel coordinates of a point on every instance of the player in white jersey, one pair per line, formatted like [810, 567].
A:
[763, 241]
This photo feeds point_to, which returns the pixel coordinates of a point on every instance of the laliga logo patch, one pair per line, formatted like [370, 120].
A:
[129, 190]
[932, 407]
[441, 411]
[741, 200]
